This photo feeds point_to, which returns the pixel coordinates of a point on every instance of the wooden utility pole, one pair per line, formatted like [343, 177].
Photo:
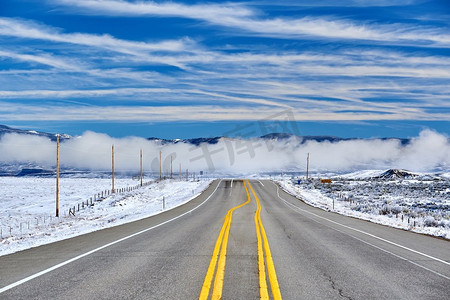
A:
[160, 166]
[112, 160]
[171, 170]
[141, 167]
[57, 175]
[307, 166]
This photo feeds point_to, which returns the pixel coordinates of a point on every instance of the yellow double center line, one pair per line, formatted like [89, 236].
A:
[222, 239]
[262, 241]
[221, 244]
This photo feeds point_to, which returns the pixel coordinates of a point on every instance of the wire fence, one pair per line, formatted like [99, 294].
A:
[42, 223]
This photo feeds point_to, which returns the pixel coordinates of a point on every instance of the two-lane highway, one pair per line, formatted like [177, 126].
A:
[235, 226]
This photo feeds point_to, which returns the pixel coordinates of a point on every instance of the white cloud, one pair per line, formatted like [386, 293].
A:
[341, 3]
[46, 59]
[244, 19]
[142, 8]
[319, 85]
[427, 152]
[31, 30]
[80, 93]
[147, 113]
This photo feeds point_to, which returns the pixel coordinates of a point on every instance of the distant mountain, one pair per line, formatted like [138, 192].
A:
[35, 172]
[270, 136]
[212, 140]
[5, 129]
[396, 174]
[194, 141]
[324, 138]
[305, 138]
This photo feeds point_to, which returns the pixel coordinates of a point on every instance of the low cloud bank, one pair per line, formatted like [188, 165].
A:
[430, 151]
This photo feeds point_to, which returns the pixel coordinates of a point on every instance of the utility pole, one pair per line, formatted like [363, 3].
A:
[141, 167]
[112, 164]
[57, 175]
[160, 165]
[171, 170]
[307, 166]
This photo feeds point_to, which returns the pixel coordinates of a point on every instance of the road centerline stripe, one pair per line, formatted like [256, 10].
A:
[263, 291]
[221, 243]
[276, 293]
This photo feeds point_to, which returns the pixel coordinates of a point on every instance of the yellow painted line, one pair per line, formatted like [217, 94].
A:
[212, 264]
[222, 240]
[270, 265]
[263, 291]
[220, 273]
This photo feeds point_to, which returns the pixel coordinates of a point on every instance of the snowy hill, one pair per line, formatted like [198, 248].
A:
[6, 129]
[209, 140]
[396, 174]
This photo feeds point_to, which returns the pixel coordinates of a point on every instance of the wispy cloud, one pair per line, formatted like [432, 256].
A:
[222, 80]
[81, 93]
[46, 59]
[341, 3]
[147, 113]
[248, 20]
[142, 8]
[32, 30]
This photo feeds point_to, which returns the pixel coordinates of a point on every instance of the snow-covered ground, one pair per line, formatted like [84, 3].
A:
[420, 204]
[27, 206]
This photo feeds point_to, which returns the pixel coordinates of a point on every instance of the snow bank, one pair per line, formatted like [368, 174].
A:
[415, 205]
[27, 207]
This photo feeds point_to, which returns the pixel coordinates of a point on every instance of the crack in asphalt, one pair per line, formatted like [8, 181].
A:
[333, 286]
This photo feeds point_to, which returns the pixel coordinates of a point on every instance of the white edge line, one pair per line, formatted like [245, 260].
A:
[293, 207]
[17, 283]
[363, 232]
[260, 182]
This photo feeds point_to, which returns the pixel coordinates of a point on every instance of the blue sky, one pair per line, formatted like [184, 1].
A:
[180, 69]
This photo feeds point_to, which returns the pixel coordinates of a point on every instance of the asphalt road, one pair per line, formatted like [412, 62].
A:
[316, 255]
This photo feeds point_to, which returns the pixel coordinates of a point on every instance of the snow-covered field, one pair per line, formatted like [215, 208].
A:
[27, 207]
[420, 203]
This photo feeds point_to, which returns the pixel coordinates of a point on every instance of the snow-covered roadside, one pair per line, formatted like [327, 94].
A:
[316, 198]
[27, 203]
